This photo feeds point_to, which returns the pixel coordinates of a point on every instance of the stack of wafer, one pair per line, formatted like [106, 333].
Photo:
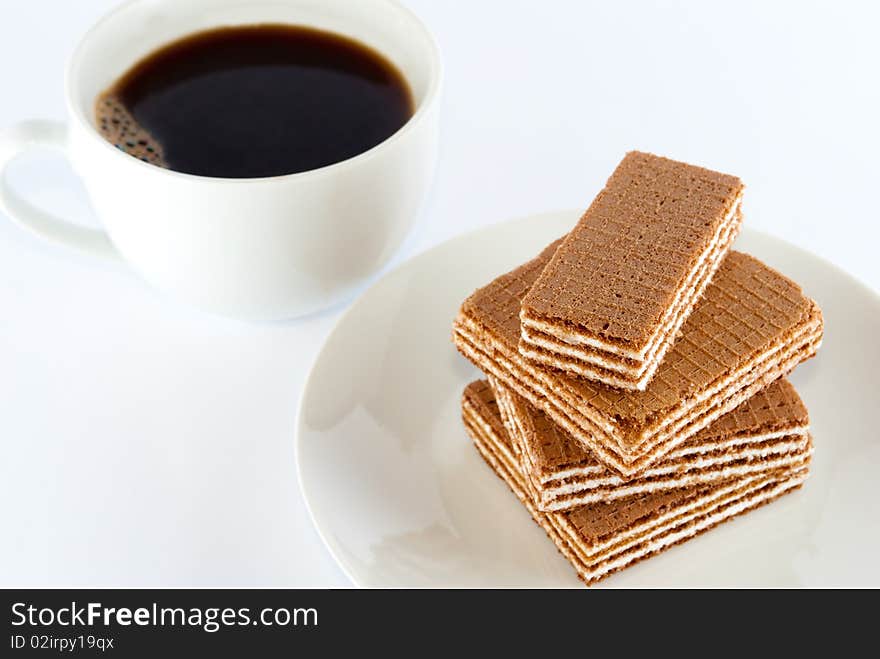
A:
[635, 392]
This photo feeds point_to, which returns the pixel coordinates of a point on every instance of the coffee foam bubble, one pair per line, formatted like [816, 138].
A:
[119, 127]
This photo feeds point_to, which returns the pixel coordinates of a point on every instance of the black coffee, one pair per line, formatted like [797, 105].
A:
[255, 101]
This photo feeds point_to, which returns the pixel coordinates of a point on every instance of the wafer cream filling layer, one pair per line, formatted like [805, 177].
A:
[553, 501]
[763, 443]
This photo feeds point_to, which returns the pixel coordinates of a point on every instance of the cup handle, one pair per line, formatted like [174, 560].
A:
[45, 134]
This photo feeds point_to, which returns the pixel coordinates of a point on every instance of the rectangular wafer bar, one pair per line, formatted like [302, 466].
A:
[767, 432]
[601, 538]
[752, 326]
[609, 303]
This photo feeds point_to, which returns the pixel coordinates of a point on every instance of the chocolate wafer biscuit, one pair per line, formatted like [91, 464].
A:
[609, 303]
[601, 538]
[752, 326]
[769, 431]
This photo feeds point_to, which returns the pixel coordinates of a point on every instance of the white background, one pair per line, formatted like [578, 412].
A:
[143, 443]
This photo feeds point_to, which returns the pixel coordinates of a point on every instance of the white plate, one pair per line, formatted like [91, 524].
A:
[401, 498]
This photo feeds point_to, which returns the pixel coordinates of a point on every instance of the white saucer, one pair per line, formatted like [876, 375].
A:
[401, 498]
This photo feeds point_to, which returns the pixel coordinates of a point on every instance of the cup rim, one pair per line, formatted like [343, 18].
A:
[418, 117]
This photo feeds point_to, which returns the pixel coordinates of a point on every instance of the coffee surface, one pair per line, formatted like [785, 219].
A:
[255, 101]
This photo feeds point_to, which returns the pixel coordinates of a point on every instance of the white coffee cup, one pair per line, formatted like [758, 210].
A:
[268, 248]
